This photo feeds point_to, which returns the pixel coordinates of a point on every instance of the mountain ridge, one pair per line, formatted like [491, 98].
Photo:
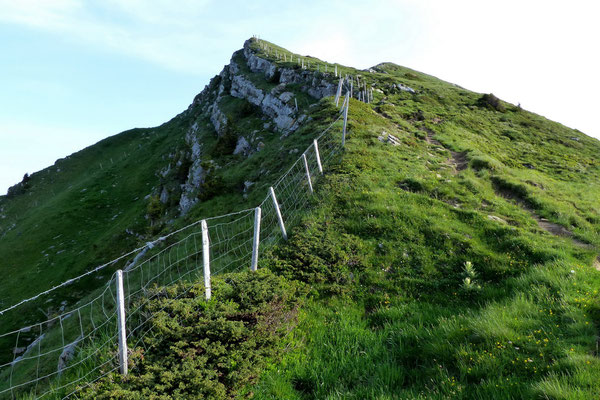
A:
[431, 227]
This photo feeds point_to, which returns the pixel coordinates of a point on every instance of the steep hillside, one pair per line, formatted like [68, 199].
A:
[217, 156]
[452, 252]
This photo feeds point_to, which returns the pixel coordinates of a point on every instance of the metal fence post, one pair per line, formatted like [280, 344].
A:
[307, 172]
[256, 239]
[318, 156]
[121, 324]
[345, 120]
[206, 258]
[278, 212]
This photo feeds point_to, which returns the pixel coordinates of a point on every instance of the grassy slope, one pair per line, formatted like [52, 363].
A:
[74, 215]
[392, 315]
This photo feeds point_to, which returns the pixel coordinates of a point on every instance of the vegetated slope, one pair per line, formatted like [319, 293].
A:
[434, 261]
[451, 255]
[217, 156]
[455, 260]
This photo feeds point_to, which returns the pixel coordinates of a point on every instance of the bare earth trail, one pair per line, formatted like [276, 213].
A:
[458, 160]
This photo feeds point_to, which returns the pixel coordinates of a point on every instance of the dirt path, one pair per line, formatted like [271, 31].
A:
[543, 223]
[457, 161]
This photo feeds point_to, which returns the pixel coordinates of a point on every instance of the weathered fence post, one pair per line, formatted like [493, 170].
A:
[121, 324]
[278, 212]
[206, 258]
[318, 156]
[307, 172]
[345, 119]
[338, 94]
[256, 239]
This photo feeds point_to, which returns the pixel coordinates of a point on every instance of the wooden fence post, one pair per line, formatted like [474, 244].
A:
[278, 212]
[307, 172]
[121, 324]
[318, 156]
[256, 239]
[206, 258]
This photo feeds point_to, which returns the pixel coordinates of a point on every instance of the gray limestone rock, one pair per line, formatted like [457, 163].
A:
[164, 195]
[67, 355]
[186, 202]
[244, 89]
[242, 146]
[286, 96]
[218, 119]
[404, 88]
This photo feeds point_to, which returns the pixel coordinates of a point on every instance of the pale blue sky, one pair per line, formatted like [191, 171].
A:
[73, 72]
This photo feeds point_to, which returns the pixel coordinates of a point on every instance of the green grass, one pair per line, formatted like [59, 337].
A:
[394, 318]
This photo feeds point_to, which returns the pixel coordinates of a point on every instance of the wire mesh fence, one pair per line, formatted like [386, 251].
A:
[66, 352]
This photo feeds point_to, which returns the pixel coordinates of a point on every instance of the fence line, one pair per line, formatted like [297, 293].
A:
[79, 339]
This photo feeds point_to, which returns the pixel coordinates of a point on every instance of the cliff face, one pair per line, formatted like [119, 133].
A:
[275, 101]
[270, 89]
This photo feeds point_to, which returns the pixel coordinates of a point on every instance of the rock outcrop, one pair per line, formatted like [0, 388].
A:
[278, 106]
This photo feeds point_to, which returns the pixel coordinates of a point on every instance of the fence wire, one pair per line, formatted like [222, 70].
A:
[71, 350]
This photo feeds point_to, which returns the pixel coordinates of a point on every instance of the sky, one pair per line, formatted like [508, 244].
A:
[73, 72]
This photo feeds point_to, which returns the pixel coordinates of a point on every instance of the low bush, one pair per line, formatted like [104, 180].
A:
[206, 350]
[491, 101]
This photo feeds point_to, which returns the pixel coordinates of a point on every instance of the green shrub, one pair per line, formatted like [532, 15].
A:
[319, 256]
[247, 109]
[226, 142]
[276, 76]
[490, 101]
[155, 208]
[213, 185]
[206, 350]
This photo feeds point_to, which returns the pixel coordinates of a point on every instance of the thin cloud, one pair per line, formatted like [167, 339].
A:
[130, 28]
